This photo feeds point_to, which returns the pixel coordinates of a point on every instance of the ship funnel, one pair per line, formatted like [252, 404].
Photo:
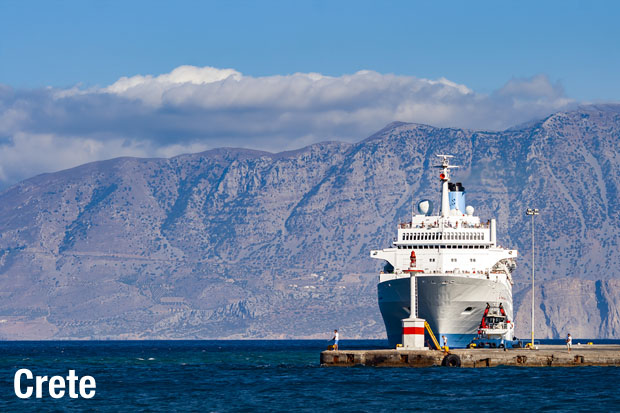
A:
[456, 196]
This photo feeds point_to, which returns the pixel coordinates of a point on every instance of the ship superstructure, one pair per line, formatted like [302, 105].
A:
[457, 265]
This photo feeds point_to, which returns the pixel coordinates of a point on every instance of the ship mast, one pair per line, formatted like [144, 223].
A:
[444, 176]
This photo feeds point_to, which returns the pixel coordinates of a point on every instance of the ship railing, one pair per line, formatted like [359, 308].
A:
[434, 225]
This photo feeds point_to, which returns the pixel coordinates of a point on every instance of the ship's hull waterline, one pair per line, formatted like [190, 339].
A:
[452, 305]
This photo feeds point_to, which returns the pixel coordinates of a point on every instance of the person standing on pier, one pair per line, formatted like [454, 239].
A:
[335, 340]
[569, 342]
[445, 344]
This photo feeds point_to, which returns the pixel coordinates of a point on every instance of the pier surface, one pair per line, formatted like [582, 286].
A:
[544, 356]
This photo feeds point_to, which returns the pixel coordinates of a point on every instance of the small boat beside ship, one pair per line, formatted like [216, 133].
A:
[457, 265]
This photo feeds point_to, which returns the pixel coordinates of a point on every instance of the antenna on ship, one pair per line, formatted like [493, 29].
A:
[444, 176]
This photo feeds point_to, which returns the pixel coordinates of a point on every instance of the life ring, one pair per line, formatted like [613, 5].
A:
[451, 360]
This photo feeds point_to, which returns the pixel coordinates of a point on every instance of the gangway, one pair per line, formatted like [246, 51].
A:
[430, 333]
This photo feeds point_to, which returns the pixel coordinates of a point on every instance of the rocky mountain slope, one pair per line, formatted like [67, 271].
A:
[239, 243]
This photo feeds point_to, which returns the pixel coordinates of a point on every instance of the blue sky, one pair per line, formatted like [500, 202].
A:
[481, 44]
[87, 80]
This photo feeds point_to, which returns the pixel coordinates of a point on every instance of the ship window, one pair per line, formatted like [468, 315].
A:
[453, 259]
[472, 259]
[432, 260]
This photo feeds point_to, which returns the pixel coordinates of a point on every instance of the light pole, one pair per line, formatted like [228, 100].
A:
[533, 212]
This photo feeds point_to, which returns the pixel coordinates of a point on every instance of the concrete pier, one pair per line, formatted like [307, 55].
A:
[544, 356]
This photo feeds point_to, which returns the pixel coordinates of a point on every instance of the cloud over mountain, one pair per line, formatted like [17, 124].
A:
[196, 108]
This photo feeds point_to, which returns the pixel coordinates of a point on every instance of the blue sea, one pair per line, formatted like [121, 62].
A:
[222, 376]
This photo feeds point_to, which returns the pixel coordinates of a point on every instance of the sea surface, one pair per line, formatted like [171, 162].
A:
[265, 375]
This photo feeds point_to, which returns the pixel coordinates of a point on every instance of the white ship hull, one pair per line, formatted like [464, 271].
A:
[453, 305]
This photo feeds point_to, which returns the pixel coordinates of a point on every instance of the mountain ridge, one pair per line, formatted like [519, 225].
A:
[238, 243]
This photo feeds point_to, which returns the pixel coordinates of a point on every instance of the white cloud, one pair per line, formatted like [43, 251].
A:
[196, 108]
[150, 89]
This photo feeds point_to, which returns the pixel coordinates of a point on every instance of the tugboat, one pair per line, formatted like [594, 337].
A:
[495, 330]
[457, 265]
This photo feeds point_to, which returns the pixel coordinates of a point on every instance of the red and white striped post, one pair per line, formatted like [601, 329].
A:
[413, 327]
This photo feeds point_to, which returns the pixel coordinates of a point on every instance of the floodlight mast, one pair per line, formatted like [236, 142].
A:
[533, 212]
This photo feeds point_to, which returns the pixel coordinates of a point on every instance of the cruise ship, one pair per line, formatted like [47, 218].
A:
[456, 262]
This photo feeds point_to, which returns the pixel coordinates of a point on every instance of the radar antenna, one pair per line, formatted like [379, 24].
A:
[445, 165]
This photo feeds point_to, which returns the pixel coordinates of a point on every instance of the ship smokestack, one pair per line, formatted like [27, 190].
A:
[457, 196]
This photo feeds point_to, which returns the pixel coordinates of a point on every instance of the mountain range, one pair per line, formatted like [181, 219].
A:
[237, 243]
